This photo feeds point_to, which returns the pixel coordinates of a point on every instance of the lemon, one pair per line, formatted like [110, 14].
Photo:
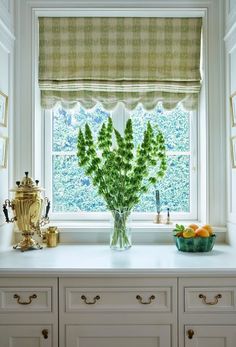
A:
[188, 232]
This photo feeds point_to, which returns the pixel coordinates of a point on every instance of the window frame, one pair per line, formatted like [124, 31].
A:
[27, 141]
[119, 116]
[203, 193]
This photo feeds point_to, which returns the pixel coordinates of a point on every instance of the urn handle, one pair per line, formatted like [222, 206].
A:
[47, 208]
[5, 211]
[45, 218]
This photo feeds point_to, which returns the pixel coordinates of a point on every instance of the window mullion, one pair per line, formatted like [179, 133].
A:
[48, 153]
[193, 165]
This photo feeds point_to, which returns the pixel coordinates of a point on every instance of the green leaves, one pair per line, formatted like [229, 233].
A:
[121, 172]
[179, 228]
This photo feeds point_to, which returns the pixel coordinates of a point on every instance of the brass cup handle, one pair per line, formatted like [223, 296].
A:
[203, 297]
[95, 299]
[140, 299]
[5, 211]
[190, 333]
[16, 296]
[45, 333]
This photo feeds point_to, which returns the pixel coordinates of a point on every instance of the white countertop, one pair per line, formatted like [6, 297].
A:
[166, 260]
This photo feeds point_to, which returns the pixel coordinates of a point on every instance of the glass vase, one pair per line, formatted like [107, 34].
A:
[120, 237]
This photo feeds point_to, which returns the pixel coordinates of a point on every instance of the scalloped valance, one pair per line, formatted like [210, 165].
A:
[119, 59]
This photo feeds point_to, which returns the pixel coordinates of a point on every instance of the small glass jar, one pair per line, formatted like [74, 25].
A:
[52, 236]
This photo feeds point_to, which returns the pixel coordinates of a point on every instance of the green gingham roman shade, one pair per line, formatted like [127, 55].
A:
[112, 59]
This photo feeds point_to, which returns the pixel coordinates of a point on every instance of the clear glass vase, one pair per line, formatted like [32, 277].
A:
[120, 237]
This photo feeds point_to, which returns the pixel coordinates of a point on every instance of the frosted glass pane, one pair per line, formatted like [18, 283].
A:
[65, 125]
[174, 124]
[72, 190]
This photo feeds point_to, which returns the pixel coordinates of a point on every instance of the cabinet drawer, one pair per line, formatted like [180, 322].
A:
[28, 294]
[210, 299]
[18, 299]
[118, 299]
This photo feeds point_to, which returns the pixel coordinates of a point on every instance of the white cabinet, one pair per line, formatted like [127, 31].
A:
[25, 336]
[207, 312]
[210, 336]
[28, 312]
[115, 311]
[118, 335]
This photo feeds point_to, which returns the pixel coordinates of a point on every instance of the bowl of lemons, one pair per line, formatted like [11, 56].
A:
[194, 238]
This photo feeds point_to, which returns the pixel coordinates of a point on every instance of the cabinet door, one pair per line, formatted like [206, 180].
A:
[210, 336]
[25, 336]
[118, 335]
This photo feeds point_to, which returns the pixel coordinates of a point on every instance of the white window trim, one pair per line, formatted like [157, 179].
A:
[206, 187]
[104, 216]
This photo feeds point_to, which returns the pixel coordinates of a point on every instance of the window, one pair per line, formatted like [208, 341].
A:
[72, 194]
[29, 152]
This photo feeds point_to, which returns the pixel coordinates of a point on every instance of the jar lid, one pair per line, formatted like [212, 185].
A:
[27, 185]
[52, 230]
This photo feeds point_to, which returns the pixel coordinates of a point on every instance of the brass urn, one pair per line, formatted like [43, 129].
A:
[27, 207]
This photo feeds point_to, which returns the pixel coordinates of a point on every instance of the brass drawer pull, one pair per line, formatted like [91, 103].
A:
[203, 297]
[45, 333]
[97, 297]
[16, 296]
[190, 333]
[140, 299]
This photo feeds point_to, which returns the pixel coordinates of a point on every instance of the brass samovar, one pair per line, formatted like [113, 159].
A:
[27, 207]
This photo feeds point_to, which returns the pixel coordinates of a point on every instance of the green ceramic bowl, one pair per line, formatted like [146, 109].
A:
[195, 244]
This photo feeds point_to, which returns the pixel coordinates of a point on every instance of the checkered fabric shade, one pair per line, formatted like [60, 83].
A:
[112, 59]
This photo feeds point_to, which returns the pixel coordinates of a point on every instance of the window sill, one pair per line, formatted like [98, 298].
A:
[143, 232]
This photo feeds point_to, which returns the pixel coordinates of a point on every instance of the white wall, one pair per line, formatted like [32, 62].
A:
[6, 86]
